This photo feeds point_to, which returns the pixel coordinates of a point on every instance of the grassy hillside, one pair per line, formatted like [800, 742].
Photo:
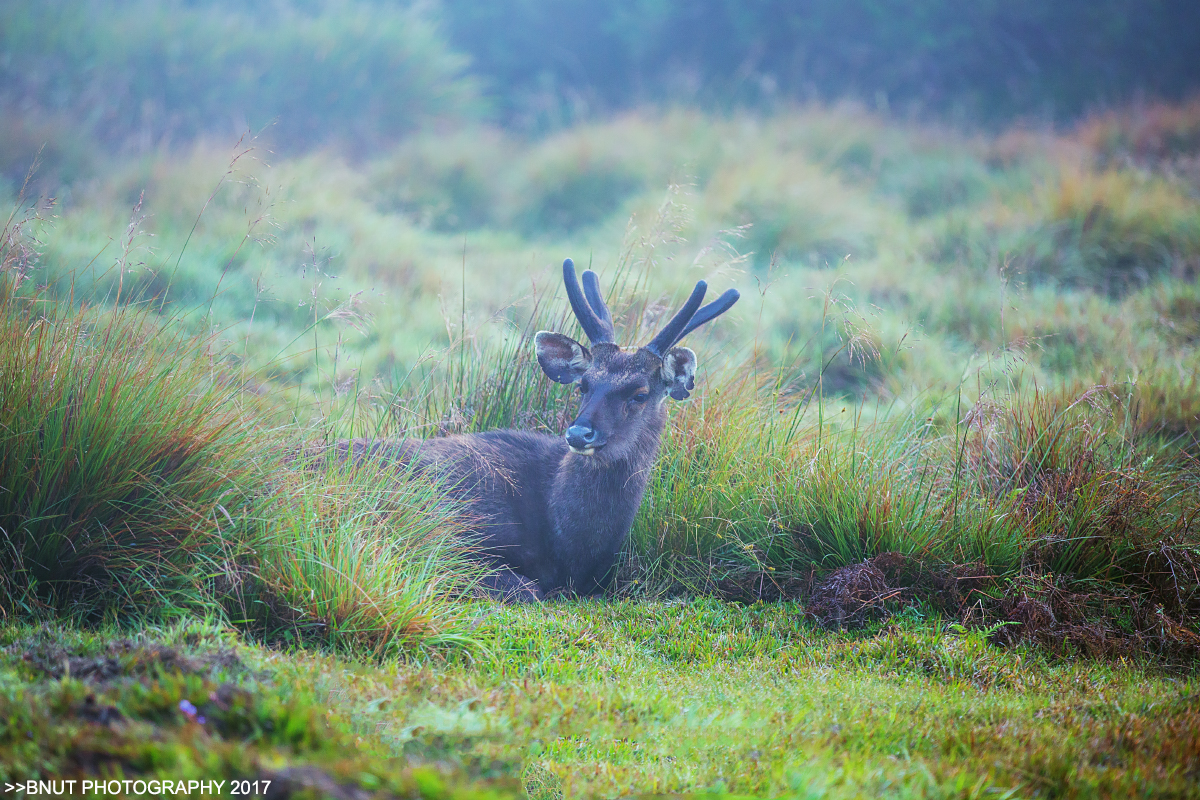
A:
[907, 230]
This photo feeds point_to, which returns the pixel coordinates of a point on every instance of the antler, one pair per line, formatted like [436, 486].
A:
[711, 311]
[690, 317]
[592, 313]
[597, 322]
[591, 290]
[670, 334]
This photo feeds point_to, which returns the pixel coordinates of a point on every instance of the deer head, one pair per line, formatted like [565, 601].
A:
[623, 393]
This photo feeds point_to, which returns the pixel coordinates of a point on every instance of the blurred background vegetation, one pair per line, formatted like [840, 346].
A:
[365, 72]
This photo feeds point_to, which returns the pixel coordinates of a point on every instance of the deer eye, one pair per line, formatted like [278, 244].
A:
[641, 397]
[583, 386]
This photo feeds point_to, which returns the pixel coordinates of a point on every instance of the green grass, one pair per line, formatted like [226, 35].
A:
[367, 559]
[1062, 445]
[141, 481]
[123, 453]
[188, 703]
[610, 698]
[939, 248]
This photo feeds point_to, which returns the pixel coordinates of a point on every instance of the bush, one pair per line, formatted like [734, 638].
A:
[126, 460]
[364, 557]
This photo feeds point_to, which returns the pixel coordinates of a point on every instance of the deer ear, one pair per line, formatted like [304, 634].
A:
[679, 372]
[563, 359]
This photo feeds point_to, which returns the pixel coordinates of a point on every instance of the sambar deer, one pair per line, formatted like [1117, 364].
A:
[550, 513]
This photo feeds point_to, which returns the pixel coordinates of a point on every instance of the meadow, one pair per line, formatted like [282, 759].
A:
[928, 526]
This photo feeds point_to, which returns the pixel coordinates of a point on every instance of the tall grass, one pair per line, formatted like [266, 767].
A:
[123, 453]
[140, 480]
[761, 490]
[365, 557]
[784, 500]
[970, 244]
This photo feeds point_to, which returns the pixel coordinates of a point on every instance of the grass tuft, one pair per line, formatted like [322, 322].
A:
[141, 481]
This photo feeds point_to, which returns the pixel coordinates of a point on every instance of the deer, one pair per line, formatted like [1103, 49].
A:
[550, 514]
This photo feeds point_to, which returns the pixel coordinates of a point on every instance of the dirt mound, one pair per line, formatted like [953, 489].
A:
[1092, 618]
[1091, 621]
[850, 596]
[877, 587]
[124, 658]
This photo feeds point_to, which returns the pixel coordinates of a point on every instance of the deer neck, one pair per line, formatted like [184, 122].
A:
[594, 502]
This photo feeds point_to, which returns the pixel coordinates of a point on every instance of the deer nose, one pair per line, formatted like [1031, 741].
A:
[582, 437]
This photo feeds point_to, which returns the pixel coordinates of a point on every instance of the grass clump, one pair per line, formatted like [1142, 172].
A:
[1155, 134]
[365, 557]
[142, 481]
[125, 456]
[792, 211]
[1113, 231]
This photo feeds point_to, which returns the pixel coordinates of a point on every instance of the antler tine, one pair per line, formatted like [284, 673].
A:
[591, 290]
[591, 324]
[711, 311]
[671, 333]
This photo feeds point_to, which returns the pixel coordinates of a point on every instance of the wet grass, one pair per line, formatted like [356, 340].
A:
[190, 703]
[142, 481]
[612, 698]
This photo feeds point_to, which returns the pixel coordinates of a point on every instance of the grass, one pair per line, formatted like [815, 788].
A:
[189, 704]
[834, 200]
[608, 698]
[1046, 458]
[143, 481]
[364, 559]
[123, 451]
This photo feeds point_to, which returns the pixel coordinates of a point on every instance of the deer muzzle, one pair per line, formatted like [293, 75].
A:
[583, 439]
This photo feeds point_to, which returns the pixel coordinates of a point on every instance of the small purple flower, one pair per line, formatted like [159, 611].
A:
[189, 711]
